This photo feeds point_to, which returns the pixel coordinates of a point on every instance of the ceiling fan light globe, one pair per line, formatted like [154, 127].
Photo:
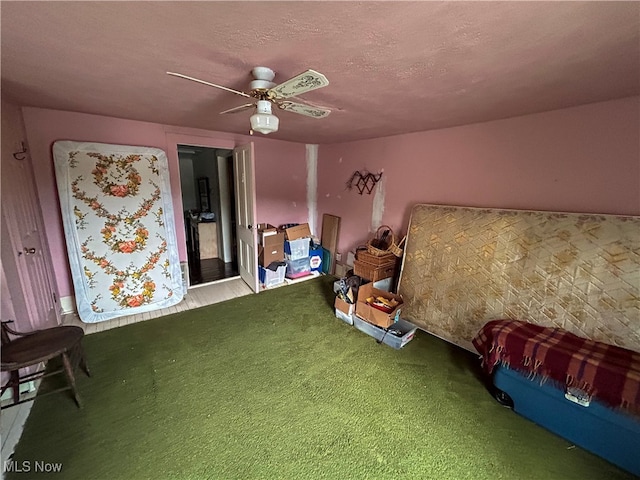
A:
[264, 123]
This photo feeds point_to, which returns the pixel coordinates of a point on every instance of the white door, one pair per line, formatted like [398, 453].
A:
[245, 182]
[25, 254]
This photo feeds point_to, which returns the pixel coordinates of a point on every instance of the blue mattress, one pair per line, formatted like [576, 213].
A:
[608, 433]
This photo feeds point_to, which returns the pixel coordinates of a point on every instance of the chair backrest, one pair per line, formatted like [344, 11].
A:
[4, 334]
[5, 331]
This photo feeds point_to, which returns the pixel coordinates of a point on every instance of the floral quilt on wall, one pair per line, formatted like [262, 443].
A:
[119, 227]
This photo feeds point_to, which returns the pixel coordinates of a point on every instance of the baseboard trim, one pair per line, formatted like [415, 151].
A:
[68, 304]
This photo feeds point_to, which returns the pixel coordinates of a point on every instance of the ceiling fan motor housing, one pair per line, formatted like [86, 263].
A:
[261, 85]
[263, 73]
[263, 78]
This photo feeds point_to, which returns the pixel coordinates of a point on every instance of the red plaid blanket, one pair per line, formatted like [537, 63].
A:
[608, 373]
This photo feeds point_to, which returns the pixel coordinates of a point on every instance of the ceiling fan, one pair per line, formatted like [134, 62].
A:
[265, 93]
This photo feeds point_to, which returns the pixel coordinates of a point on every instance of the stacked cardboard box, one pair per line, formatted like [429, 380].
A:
[270, 244]
[385, 326]
[344, 310]
[270, 249]
[368, 312]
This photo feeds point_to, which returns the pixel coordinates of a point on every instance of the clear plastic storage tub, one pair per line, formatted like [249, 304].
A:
[269, 278]
[298, 268]
[396, 336]
[296, 249]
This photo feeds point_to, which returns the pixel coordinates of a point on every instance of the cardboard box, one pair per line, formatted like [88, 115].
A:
[268, 234]
[271, 244]
[373, 315]
[268, 254]
[344, 310]
[299, 231]
[272, 249]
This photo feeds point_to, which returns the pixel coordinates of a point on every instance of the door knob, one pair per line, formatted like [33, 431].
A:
[29, 251]
[249, 227]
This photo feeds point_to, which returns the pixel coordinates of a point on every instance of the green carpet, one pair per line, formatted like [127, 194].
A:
[273, 386]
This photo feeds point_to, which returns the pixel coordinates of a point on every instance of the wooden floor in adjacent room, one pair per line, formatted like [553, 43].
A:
[210, 270]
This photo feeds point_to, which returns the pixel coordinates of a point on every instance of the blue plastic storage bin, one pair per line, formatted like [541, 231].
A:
[315, 258]
[608, 433]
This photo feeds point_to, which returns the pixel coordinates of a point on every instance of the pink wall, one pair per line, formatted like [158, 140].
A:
[581, 159]
[280, 168]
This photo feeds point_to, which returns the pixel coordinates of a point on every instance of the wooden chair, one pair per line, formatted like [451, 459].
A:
[33, 348]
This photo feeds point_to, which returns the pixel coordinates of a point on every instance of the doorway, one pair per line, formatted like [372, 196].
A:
[208, 199]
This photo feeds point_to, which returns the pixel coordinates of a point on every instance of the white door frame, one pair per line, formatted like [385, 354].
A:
[175, 138]
[246, 229]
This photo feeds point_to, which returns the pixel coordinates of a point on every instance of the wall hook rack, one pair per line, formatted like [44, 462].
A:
[21, 155]
[364, 181]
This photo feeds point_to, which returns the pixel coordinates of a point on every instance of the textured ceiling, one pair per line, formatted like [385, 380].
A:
[393, 67]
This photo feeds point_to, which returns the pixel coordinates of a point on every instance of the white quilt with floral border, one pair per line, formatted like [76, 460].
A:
[119, 226]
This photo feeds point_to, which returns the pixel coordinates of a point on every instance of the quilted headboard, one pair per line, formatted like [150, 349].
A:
[465, 266]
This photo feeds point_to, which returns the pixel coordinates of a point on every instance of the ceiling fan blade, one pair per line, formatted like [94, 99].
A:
[304, 101]
[309, 111]
[241, 108]
[305, 82]
[237, 92]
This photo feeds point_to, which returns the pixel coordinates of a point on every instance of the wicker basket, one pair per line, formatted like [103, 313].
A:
[397, 249]
[373, 272]
[377, 251]
[366, 257]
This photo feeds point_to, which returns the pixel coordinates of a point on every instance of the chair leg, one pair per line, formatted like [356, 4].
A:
[15, 385]
[68, 368]
[83, 360]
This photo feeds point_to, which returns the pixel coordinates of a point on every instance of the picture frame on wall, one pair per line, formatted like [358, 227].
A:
[203, 194]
